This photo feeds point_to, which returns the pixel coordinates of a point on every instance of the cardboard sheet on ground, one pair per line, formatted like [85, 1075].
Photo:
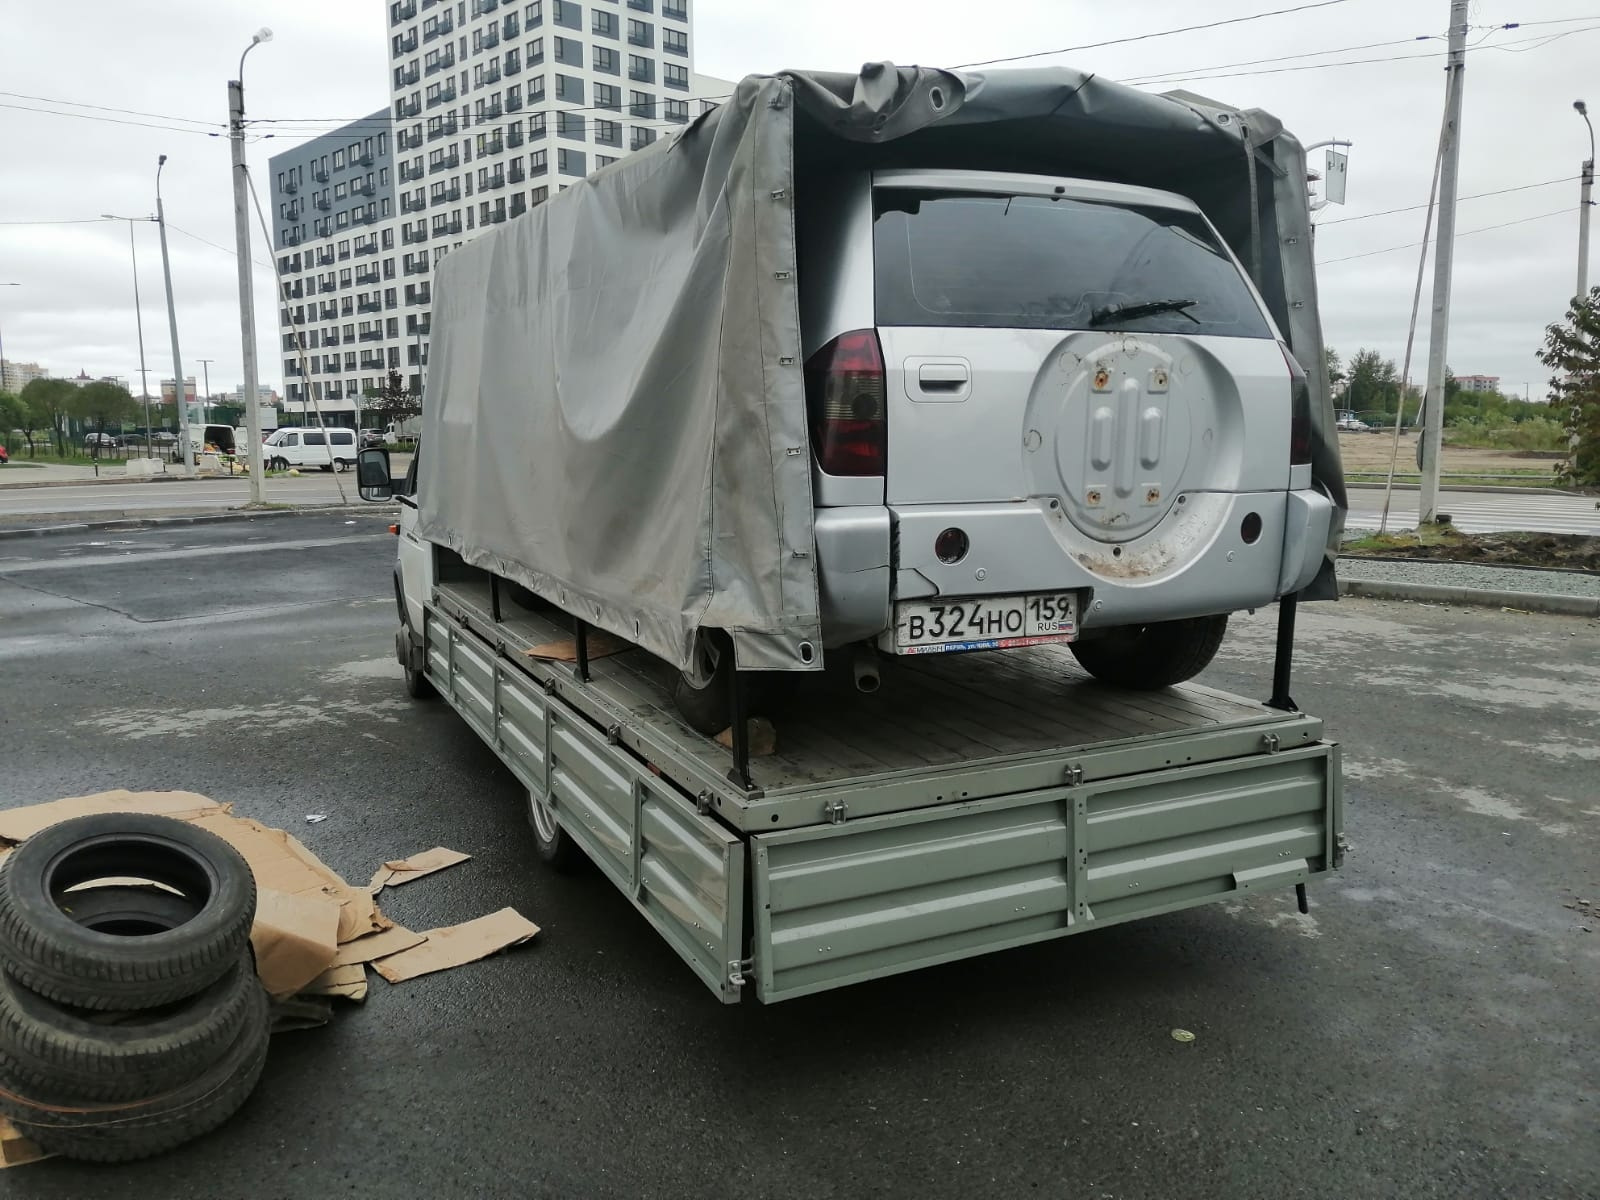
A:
[456, 945]
[16, 1149]
[404, 870]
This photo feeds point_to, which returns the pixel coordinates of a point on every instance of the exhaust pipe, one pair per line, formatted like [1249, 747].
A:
[865, 665]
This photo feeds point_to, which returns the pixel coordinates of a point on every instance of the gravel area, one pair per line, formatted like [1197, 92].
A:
[1503, 579]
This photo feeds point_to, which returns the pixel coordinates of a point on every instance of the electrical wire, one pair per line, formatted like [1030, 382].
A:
[127, 112]
[1158, 76]
[216, 245]
[52, 112]
[68, 221]
[1560, 212]
[1475, 196]
[1279, 12]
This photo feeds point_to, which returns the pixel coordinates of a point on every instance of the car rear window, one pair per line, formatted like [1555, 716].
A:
[1032, 262]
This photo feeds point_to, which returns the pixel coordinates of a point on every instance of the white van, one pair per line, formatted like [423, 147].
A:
[328, 449]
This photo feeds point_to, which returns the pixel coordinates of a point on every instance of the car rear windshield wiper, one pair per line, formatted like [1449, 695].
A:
[1147, 308]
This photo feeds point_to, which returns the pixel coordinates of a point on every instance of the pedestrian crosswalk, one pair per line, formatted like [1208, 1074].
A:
[1482, 512]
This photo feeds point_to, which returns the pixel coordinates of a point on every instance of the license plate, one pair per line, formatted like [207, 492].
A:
[988, 623]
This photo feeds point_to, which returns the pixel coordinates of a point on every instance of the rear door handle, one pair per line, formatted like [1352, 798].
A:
[943, 376]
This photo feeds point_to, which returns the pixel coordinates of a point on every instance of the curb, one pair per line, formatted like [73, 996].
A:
[1467, 487]
[1539, 602]
[328, 510]
[103, 480]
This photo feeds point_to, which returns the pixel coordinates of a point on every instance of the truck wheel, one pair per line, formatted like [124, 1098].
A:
[1157, 655]
[555, 848]
[144, 951]
[418, 685]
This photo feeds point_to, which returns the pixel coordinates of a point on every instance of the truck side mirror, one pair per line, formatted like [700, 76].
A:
[372, 474]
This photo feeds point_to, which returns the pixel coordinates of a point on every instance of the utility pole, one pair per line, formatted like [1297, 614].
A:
[247, 302]
[1438, 335]
[205, 366]
[138, 317]
[184, 443]
[1585, 203]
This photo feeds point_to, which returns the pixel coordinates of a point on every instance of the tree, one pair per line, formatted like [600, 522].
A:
[1335, 365]
[1374, 385]
[51, 400]
[102, 403]
[18, 414]
[393, 402]
[1572, 349]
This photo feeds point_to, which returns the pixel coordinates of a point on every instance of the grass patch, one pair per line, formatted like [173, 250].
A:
[1405, 540]
[1569, 551]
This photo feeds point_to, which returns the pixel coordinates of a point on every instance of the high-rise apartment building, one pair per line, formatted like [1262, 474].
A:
[495, 105]
[335, 232]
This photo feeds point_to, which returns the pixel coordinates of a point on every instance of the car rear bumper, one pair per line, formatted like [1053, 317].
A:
[1195, 566]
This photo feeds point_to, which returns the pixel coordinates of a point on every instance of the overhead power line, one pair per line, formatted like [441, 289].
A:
[1279, 12]
[127, 112]
[55, 112]
[1560, 212]
[1475, 196]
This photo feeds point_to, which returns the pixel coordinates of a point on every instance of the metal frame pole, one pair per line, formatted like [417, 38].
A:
[189, 452]
[247, 302]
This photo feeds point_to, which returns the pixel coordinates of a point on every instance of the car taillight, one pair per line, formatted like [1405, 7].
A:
[845, 400]
[1299, 410]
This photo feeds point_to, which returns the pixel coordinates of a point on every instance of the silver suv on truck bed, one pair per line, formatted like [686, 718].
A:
[1046, 409]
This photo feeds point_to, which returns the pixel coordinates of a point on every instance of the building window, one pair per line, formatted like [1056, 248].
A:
[536, 128]
[641, 68]
[383, 176]
[641, 33]
[569, 51]
[338, 160]
[535, 51]
[571, 162]
[533, 14]
[608, 95]
[642, 136]
[536, 89]
[607, 62]
[342, 221]
[607, 133]
[602, 24]
[539, 162]
[603, 160]
[675, 41]
[569, 125]
[641, 104]
[642, 5]
[566, 14]
[675, 76]
[569, 88]
[678, 111]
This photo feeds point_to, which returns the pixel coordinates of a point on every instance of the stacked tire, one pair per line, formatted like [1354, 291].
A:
[131, 1018]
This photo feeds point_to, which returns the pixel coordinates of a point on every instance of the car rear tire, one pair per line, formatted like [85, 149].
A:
[343, 464]
[555, 848]
[707, 709]
[1157, 655]
[148, 949]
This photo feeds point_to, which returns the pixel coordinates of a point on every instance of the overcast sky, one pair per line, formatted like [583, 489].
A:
[74, 309]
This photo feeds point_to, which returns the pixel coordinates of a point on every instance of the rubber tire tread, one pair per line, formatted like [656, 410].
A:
[48, 1052]
[66, 963]
[561, 854]
[1158, 655]
[182, 1115]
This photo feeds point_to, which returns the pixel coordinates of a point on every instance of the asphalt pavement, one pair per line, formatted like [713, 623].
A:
[1482, 512]
[1427, 1031]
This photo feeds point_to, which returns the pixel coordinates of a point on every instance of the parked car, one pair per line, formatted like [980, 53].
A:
[1349, 423]
[371, 437]
[99, 439]
[330, 449]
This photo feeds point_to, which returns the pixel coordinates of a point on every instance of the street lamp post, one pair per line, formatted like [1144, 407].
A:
[185, 442]
[1585, 203]
[138, 317]
[247, 302]
[205, 366]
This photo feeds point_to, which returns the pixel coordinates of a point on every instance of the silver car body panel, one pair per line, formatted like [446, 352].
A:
[1119, 464]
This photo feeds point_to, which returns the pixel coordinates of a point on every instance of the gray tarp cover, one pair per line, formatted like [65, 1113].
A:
[615, 414]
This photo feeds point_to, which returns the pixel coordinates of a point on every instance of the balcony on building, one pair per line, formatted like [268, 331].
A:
[406, 109]
[411, 236]
[446, 24]
[447, 195]
[324, 257]
[292, 238]
[674, 12]
[493, 145]
[491, 111]
[493, 183]
[371, 335]
[321, 204]
[403, 12]
[518, 172]
[415, 268]
[327, 285]
[405, 43]
[410, 205]
[367, 248]
[642, 110]
[320, 175]
[368, 278]
[490, 38]
[406, 76]
[290, 187]
[448, 163]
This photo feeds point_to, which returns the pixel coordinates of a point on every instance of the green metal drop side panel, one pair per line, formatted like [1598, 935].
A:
[844, 903]
[859, 854]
